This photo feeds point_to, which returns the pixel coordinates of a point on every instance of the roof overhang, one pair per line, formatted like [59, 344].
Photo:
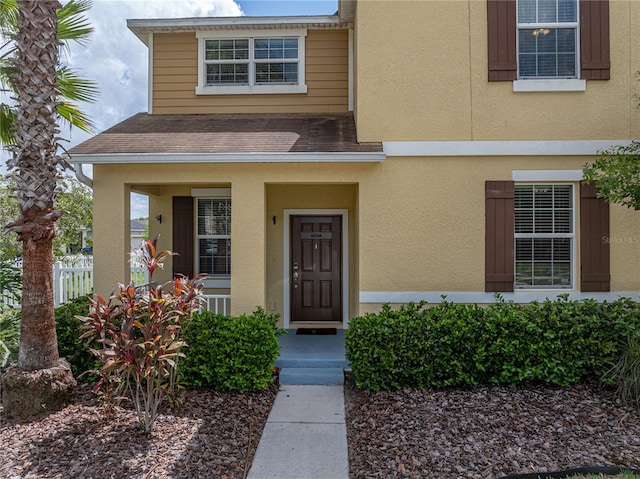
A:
[143, 27]
[253, 157]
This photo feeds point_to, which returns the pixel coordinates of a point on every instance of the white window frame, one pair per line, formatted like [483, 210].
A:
[218, 281]
[537, 84]
[252, 88]
[572, 236]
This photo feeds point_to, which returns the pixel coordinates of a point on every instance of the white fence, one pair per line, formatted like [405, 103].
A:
[73, 277]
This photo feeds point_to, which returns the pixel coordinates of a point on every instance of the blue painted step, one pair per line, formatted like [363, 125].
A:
[312, 359]
[316, 376]
[299, 362]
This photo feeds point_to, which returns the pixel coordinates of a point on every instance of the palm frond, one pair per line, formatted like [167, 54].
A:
[72, 22]
[8, 17]
[7, 72]
[74, 116]
[7, 116]
[73, 87]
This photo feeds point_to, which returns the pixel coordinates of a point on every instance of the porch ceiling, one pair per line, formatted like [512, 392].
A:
[228, 133]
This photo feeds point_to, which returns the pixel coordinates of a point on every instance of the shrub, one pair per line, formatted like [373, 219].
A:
[557, 342]
[10, 282]
[139, 330]
[229, 353]
[9, 336]
[626, 373]
[70, 346]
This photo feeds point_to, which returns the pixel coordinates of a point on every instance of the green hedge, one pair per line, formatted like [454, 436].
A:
[70, 346]
[557, 342]
[68, 332]
[229, 353]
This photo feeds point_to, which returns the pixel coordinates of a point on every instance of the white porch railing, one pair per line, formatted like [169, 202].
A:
[218, 303]
[73, 277]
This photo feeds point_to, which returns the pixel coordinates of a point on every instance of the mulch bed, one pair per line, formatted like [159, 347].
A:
[484, 432]
[210, 435]
[487, 432]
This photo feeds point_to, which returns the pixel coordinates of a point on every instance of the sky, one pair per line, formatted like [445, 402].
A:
[117, 60]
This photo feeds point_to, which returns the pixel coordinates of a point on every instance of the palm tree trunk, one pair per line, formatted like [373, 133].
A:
[40, 382]
[38, 341]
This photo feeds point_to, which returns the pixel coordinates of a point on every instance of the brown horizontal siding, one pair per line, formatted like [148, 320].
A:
[183, 62]
[299, 108]
[170, 41]
[175, 70]
[175, 75]
[325, 60]
[257, 101]
[328, 76]
[188, 97]
[331, 69]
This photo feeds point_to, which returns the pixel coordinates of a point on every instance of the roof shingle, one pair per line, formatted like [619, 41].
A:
[228, 133]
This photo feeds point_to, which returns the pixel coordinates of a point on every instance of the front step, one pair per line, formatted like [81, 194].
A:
[323, 376]
[312, 359]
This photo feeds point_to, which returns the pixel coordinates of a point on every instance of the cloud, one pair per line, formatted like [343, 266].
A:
[117, 60]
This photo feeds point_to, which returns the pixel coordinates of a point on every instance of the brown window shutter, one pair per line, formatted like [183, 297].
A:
[499, 235]
[594, 40]
[183, 235]
[501, 32]
[594, 249]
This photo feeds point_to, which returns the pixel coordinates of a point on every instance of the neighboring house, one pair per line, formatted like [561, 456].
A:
[396, 151]
[137, 229]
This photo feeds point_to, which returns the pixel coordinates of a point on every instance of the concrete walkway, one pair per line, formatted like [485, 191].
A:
[305, 436]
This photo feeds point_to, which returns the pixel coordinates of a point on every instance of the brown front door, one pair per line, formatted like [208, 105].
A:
[316, 268]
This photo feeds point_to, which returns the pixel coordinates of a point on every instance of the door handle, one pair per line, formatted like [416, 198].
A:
[295, 275]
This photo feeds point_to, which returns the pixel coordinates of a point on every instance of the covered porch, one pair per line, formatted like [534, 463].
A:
[224, 192]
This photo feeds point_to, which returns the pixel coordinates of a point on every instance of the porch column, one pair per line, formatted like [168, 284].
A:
[247, 245]
[110, 233]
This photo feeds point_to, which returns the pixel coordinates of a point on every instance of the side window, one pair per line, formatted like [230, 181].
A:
[530, 236]
[213, 236]
[544, 236]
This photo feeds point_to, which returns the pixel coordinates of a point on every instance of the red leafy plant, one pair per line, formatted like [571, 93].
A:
[139, 329]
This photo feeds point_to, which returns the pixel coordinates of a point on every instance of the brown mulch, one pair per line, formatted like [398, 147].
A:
[484, 432]
[487, 432]
[211, 435]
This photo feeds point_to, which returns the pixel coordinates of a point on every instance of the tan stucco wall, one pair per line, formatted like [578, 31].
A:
[175, 70]
[433, 210]
[111, 231]
[428, 79]
[416, 224]
[306, 196]
[251, 236]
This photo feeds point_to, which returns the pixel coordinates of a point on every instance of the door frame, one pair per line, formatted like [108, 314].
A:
[286, 276]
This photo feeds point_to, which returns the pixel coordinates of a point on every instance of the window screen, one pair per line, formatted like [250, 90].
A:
[214, 236]
[547, 38]
[544, 236]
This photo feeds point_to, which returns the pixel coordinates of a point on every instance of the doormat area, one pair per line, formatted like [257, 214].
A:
[316, 331]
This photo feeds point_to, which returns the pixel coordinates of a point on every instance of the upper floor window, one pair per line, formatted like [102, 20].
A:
[251, 62]
[548, 45]
[547, 38]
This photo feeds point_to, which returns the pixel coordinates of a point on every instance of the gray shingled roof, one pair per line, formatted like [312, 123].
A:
[228, 133]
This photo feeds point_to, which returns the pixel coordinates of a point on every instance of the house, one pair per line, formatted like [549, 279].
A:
[137, 230]
[396, 151]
